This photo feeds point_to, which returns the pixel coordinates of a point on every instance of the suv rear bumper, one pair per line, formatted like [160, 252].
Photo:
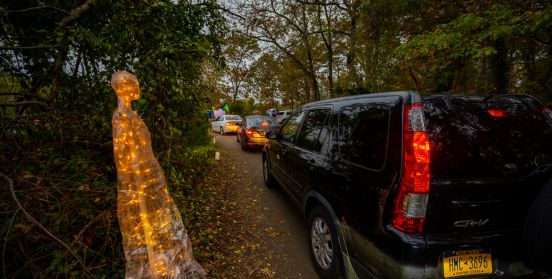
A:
[363, 259]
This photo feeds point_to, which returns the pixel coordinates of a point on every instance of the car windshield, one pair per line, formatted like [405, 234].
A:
[233, 117]
[256, 121]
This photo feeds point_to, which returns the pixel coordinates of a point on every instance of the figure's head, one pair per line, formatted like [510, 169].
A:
[125, 85]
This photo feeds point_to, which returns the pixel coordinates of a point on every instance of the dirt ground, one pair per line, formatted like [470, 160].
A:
[240, 228]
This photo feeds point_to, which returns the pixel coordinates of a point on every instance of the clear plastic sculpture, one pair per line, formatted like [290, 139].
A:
[155, 241]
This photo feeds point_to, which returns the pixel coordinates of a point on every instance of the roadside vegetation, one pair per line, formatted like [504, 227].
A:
[56, 105]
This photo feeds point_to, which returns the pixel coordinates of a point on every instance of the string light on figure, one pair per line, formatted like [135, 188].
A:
[155, 242]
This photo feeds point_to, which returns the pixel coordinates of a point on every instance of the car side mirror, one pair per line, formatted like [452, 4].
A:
[272, 134]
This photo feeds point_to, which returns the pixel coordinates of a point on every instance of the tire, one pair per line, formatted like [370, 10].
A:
[538, 229]
[268, 178]
[323, 244]
[243, 145]
[221, 130]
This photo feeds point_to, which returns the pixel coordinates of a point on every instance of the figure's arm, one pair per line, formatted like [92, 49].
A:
[121, 148]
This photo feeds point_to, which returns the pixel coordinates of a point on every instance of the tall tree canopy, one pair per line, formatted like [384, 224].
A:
[357, 46]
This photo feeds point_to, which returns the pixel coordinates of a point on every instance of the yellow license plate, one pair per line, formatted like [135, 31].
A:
[467, 262]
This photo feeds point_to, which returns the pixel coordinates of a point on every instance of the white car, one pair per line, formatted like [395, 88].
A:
[226, 124]
[282, 115]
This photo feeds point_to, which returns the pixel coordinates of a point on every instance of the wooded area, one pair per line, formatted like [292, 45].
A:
[56, 58]
[311, 50]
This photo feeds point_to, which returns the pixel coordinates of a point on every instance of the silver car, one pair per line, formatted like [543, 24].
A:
[226, 124]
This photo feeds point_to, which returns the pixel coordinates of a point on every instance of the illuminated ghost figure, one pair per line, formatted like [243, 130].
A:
[155, 241]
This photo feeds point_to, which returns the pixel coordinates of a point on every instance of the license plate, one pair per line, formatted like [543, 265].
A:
[467, 262]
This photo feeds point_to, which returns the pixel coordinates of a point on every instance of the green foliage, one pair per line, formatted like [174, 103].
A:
[244, 107]
[60, 154]
[465, 52]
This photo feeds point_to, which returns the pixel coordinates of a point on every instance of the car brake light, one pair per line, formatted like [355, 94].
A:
[411, 202]
[547, 112]
[497, 113]
[229, 123]
[249, 132]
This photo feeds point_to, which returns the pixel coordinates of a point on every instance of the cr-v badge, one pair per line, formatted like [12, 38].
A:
[471, 223]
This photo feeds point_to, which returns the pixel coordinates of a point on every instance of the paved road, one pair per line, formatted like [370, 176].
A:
[281, 218]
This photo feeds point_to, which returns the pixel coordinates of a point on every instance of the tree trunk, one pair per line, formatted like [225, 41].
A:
[353, 11]
[328, 42]
[63, 50]
[330, 76]
[500, 66]
[307, 91]
[315, 88]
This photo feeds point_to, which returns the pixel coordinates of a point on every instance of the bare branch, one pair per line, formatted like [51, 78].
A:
[291, 22]
[22, 103]
[286, 51]
[39, 8]
[36, 223]
[319, 3]
[93, 221]
[27, 47]
[6, 244]
[231, 13]
[77, 12]
[28, 95]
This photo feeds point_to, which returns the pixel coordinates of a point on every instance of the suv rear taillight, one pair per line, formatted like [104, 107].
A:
[411, 202]
[547, 112]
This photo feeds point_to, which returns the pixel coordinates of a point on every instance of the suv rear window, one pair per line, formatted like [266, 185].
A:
[362, 134]
[467, 141]
[257, 121]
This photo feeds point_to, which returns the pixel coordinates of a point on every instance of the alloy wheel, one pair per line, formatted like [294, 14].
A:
[321, 241]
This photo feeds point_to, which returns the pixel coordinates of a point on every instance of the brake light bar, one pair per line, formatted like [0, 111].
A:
[498, 113]
[411, 202]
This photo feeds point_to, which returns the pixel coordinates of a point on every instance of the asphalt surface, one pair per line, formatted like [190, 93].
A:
[283, 230]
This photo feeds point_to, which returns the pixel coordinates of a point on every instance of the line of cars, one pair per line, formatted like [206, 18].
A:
[396, 185]
[250, 130]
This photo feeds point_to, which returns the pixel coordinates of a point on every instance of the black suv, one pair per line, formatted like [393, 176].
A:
[394, 185]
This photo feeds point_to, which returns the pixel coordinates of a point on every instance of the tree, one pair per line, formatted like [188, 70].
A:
[496, 41]
[266, 69]
[288, 27]
[240, 52]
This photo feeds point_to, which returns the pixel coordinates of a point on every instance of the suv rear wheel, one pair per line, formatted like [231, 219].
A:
[324, 246]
